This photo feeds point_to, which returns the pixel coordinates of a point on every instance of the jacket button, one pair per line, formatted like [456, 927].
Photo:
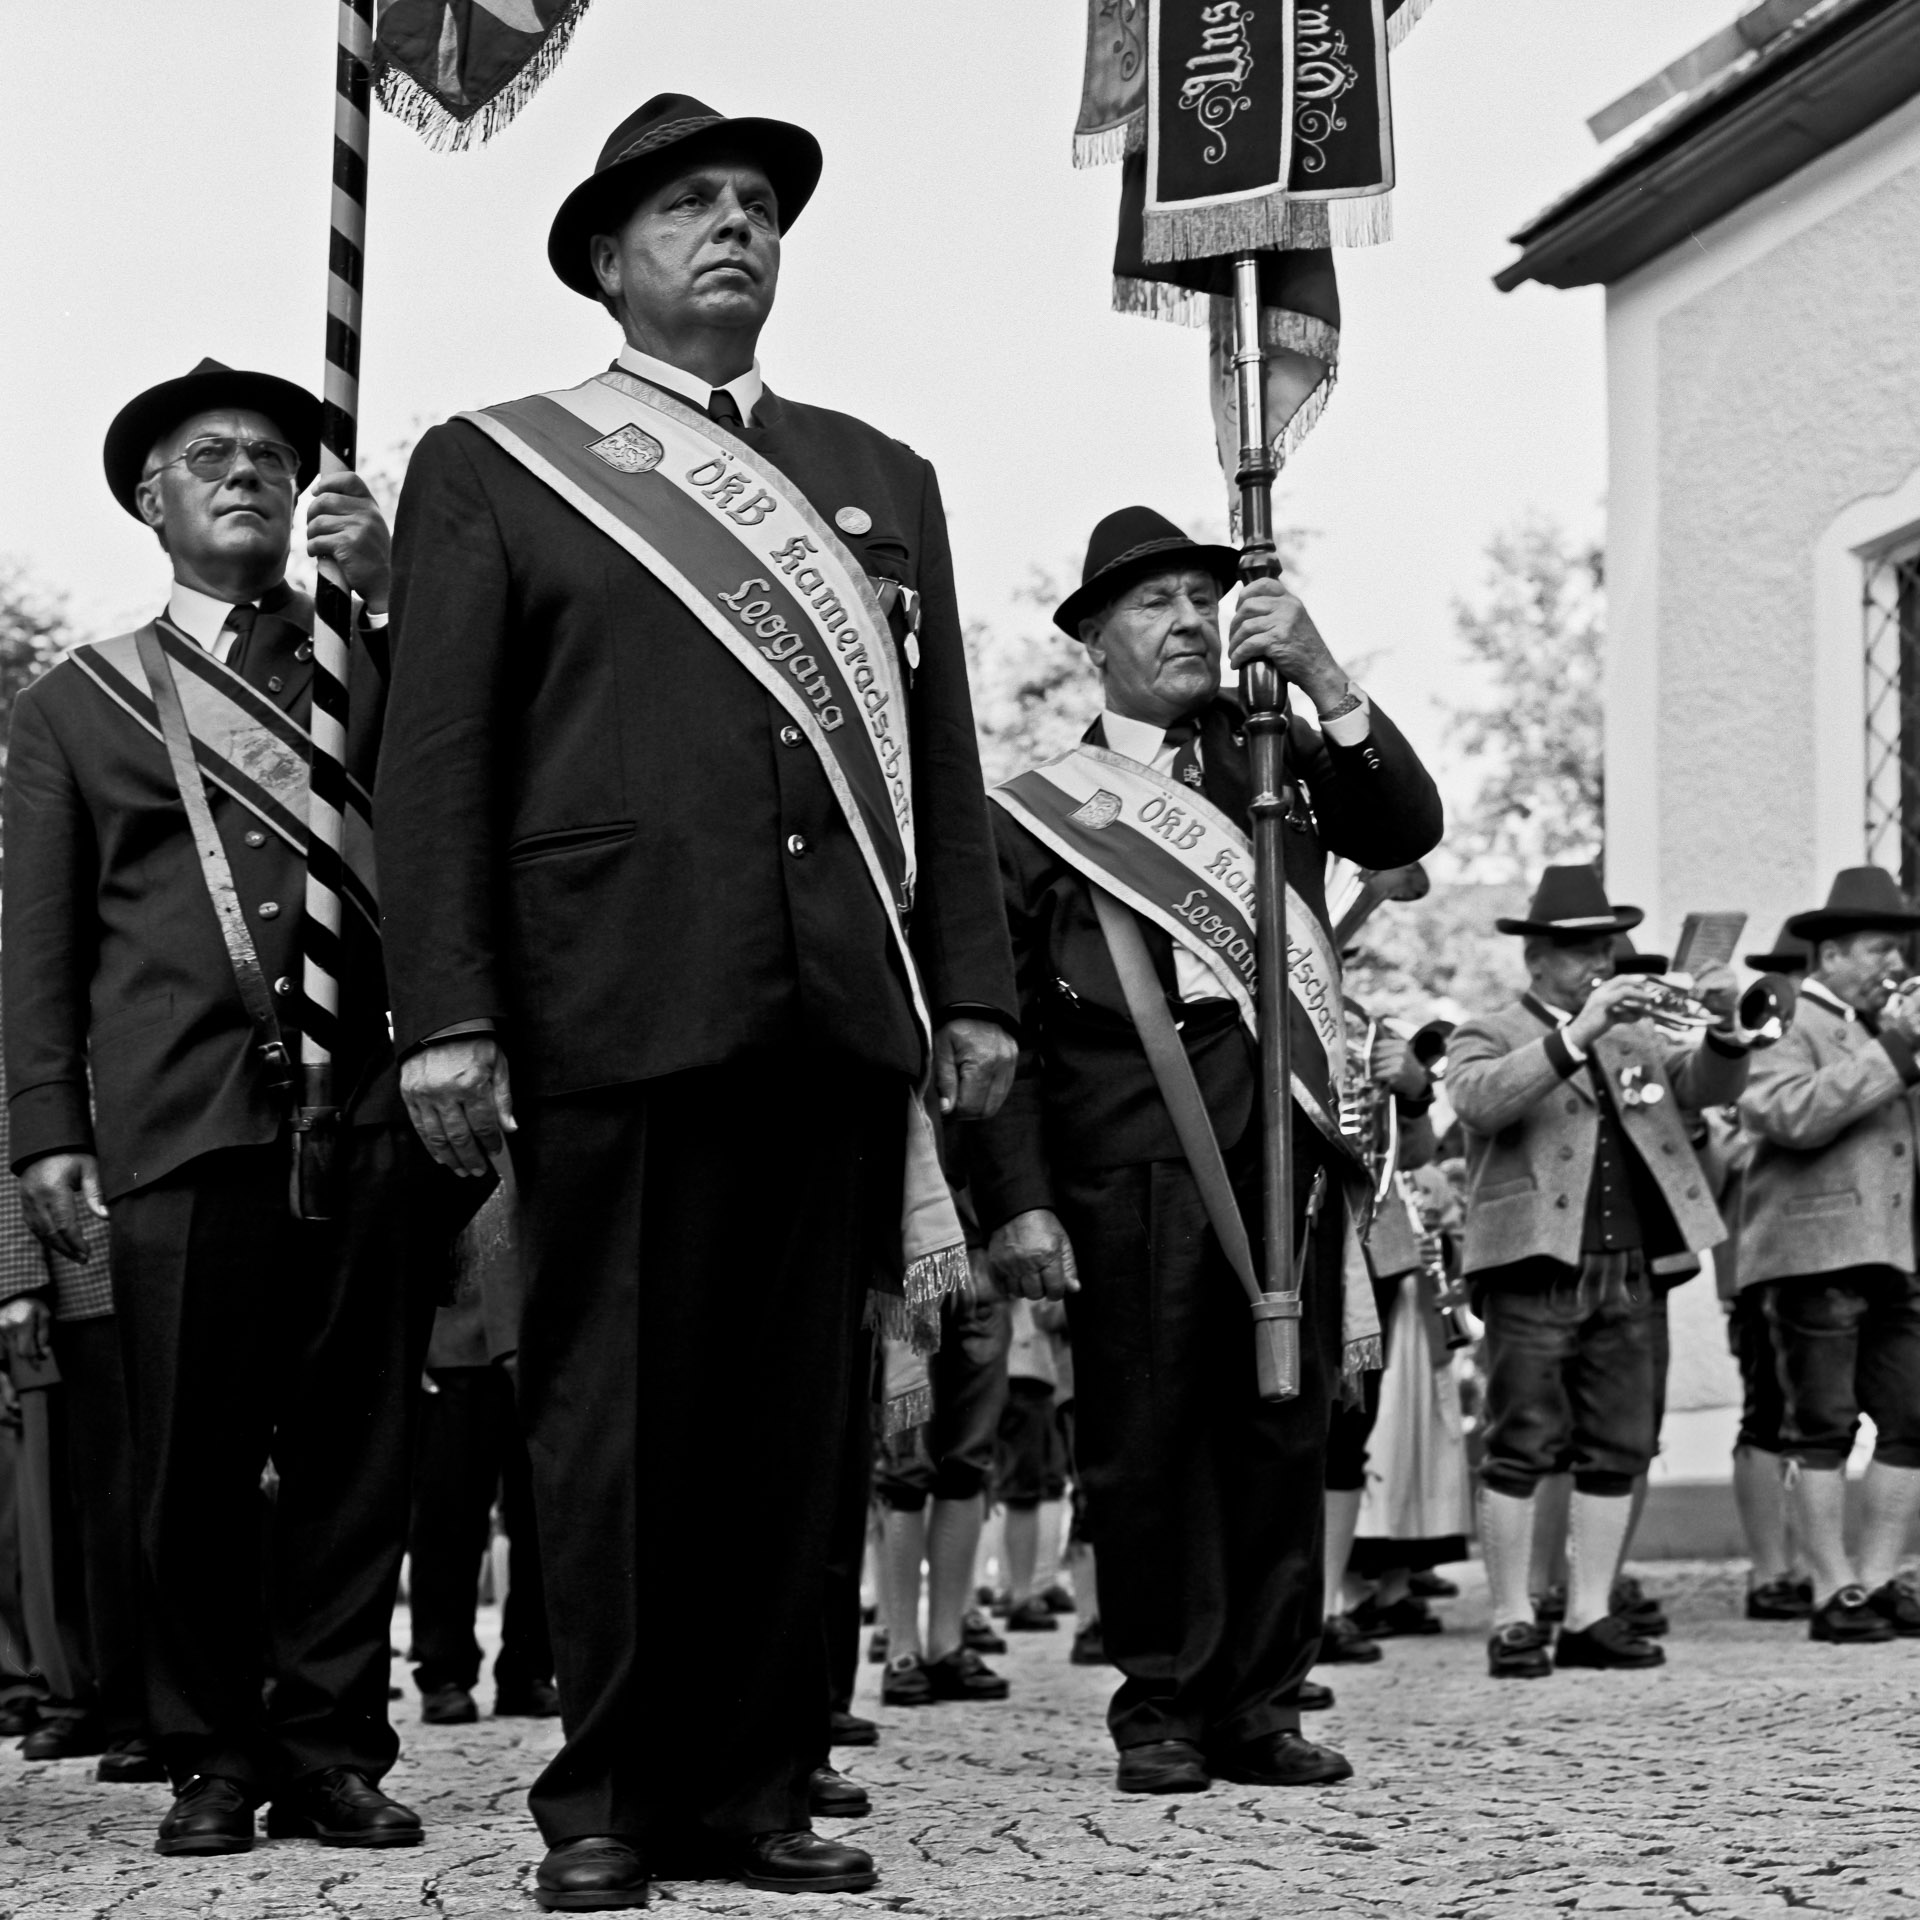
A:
[255, 838]
[1560, 1200]
[1899, 1149]
[270, 910]
[283, 986]
[791, 736]
[1666, 1146]
[275, 684]
[304, 651]
[1573, 1106]
[1566, 1153]
[796, 844]
[1693, 1192]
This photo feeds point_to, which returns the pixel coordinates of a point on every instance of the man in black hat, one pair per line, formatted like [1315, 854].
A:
[1583, 1187]
[143, 925]
[1827, 1228]
[1204, 1498]
[681, 817]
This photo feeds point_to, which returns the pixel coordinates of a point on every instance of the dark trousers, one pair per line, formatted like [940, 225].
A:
[847, 1546]
[699, 1246]
[469, 1450]
[97, 1553]
[1205, 1499]
[1848, 1343]
[248, 1335]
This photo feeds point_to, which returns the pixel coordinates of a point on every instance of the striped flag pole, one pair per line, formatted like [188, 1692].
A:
[333, 618]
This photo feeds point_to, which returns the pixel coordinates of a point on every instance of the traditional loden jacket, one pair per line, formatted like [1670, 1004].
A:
[1533, 1132]
[599, 833]
[1834, 1111]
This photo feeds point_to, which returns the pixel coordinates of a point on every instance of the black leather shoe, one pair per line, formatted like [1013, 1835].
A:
[1343, 1644]
[831, 1795]
[1032, 1616]
[1432, 1586]
[1163, 1766]
[1635, 1605]
[1518, 1651]
[905, 1683]
[1404, 1616]
[1312, 1697]
[978, 1632]
[209, 1815]
[17, 1717]
[803, 1863]
[539, 1700]
[590, 1875]
[64, 1740]
[1898, 1607]
[1786, 1599]
[849, 1730]
[963, 1675]
[449, 1707]
[1281, 1759]
[877, 1647]
[129, 1762]
[1849, 1619]
[342, 1808]
[1612, 1641]
[1056, 1599]
[1551, 1607]
[1089, 1647]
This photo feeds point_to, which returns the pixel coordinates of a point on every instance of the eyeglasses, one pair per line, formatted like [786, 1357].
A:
[216, 456]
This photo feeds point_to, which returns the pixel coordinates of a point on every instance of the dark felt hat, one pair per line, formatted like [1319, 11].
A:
[1790, 954]
[1571, 904]
[160, 409]
[1127, 546]
[673, 129]
[1861, 899]
[1627, 958]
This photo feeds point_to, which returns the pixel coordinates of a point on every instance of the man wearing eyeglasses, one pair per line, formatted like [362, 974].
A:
[144, 1087]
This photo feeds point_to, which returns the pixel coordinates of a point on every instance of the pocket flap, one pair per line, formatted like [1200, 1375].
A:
[1810, 1206]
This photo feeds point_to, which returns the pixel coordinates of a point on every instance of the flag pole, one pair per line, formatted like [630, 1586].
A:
[1277, 1312]
[316, 1118]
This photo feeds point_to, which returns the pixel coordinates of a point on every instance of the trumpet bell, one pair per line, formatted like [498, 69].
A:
[1765, 1010]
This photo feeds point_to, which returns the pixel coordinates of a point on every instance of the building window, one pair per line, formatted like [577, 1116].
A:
[1891, 605]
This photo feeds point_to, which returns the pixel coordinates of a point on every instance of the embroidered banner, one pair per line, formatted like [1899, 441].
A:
[1262, 121]
[1178, 860]
[454, 68]
[245, 745]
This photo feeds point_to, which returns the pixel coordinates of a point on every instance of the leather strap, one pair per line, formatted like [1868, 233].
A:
[215, 869]
[1173, 1074]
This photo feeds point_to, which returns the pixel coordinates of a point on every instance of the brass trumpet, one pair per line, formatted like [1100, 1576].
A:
[1761, 1015]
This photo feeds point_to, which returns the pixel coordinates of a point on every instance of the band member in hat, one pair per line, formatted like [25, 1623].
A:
[682, 827]
[1126, 860]
[1826, 1226]
[152, 943]
[1582, 1182]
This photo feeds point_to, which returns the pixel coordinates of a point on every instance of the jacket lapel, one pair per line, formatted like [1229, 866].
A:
[1580, 1079]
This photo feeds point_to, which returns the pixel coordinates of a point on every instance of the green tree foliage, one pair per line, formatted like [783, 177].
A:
[1034, 690]
[34, 633]
[1538, 632]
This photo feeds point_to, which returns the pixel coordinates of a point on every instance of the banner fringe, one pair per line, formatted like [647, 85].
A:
[1365, 222]
[913, 1315]
[1402, 23]
[1107, 146]
[909, 1410]
[448, 132]
[1155, 300]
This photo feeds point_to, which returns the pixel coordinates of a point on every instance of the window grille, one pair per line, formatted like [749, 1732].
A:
[1891, 605]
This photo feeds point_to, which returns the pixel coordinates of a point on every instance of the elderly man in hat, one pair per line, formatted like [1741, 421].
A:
[1583, 1190]
[1128, 884]
[1827, 1228]
[156, 865]
[681, 824]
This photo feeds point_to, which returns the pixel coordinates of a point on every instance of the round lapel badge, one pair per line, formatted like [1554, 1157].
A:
[855, 520]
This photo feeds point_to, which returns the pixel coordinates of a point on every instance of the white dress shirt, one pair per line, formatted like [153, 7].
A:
[746, 390]
[202, 618]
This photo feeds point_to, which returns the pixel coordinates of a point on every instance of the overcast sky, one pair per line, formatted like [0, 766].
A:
[166, 172]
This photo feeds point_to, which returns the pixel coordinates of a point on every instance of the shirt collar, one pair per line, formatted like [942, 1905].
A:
[198, 615]
[746, 390]
[1825, 995]
[1547, 1010]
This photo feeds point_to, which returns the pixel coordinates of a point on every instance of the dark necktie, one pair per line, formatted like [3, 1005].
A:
[239, 623]
[724, 409]
[1184, 738]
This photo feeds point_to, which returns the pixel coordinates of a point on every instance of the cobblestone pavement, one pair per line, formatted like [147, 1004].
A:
[1755, 1774]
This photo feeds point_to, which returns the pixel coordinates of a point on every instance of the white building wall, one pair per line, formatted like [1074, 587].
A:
[1764, 403]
